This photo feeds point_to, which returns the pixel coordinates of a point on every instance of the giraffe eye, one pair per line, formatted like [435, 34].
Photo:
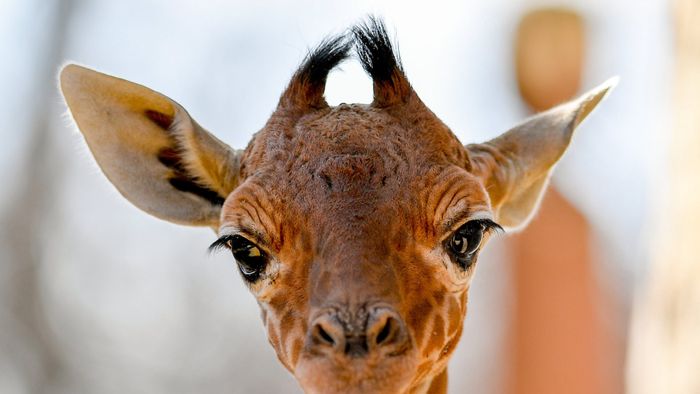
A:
[250, 258]
[465, 242]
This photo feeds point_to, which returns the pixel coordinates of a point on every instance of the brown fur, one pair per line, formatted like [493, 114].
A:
[352, 205]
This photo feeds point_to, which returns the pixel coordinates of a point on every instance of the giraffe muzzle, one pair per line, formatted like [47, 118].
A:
[358, 332]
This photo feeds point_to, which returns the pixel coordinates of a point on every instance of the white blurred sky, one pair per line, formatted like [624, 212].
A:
[228, 61]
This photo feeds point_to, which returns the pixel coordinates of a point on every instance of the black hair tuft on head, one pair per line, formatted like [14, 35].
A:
[376, 54]
[321, 60]
[375, 51]
[308, 83]
[382, 62]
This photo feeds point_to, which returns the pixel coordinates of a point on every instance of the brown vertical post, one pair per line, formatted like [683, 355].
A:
[559, 344]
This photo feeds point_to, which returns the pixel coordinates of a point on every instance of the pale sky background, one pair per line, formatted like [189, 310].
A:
[136, 305]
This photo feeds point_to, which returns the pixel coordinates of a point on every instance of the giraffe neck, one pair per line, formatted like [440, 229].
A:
[438, 385]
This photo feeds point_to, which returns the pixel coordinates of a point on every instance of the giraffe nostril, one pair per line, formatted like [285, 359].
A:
[323, 335]
[386, 332]
[326, 331]
[379, 330]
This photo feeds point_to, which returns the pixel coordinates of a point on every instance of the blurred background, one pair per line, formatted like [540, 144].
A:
[98, 297]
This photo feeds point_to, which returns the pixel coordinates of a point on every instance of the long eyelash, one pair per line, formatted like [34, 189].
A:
[222, 243]
[491, 226]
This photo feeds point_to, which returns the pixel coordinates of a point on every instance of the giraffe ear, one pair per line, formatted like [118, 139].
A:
[147, 145]
[515, 167]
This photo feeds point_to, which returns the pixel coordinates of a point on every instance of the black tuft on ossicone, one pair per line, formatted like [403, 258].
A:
[376, 54]
[375, 51]
[379, 59]
[319, 62]
[308, 83]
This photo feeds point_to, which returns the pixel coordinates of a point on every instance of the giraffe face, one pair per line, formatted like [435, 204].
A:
[356, 227]
[364, 238]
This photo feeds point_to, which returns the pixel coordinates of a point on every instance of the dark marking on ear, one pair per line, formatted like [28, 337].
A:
[162, 120]
[187, 185]
[171, 158]
[182, 180]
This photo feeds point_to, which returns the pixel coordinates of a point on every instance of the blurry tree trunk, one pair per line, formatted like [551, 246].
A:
[665, 345]
[29, 343]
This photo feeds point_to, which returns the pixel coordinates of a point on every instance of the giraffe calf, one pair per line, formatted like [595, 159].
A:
[356, 227]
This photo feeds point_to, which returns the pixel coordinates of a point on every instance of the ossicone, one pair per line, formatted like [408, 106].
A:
[375, 52]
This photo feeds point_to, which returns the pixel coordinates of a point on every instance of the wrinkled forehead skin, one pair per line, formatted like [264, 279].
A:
[356, 227]
[353, 201]
[340, 168]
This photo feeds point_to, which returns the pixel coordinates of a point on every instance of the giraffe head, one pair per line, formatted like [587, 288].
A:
[356, 227]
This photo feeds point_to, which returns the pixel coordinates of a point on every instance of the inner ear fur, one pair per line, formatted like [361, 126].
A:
[515, 167]
[149, 147]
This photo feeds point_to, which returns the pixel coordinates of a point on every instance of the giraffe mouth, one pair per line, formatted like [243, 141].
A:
[388, 373]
